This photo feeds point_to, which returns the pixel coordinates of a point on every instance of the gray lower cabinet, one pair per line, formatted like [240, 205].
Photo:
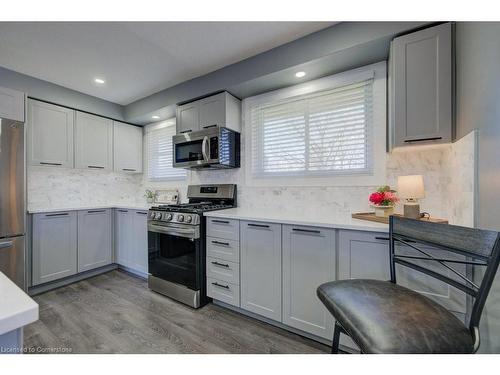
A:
[94, 239]
[420, 87]
[54, 246]
[131, 242]
[308, 261]
[260, 268]
[363, 255]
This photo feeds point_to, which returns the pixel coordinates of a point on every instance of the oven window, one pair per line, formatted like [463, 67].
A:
[188, 151]
[174, 259]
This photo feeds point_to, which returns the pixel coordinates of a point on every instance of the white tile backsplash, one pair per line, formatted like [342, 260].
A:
[448, 172]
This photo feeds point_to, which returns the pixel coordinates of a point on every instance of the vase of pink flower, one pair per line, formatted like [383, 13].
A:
[383, 201]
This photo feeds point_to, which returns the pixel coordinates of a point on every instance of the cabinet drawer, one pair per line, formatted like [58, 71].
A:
[223, 270]
[223, 228]
[223, 249]
[223, 291]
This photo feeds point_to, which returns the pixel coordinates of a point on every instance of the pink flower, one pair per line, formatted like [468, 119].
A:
[376, 198]
[390, 196]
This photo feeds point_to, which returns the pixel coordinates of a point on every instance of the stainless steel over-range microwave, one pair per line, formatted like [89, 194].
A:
[215, 148]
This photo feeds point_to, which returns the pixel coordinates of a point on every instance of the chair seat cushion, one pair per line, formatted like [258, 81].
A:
[382, 317]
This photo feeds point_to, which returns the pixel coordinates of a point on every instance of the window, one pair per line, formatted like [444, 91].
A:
[160, 152]
[327, 132]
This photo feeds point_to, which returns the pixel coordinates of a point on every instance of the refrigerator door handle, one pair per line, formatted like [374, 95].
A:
[6, 245]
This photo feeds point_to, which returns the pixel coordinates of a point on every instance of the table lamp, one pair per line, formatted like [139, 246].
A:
[411, 189]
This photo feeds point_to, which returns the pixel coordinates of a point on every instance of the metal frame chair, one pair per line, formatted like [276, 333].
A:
[481, 248]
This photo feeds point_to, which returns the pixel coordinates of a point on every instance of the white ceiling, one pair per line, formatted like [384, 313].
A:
[136, 59]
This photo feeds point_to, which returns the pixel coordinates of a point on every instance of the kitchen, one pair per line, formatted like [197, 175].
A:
[205, 213]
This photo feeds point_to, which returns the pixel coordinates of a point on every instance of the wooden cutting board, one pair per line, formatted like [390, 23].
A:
[370, 216]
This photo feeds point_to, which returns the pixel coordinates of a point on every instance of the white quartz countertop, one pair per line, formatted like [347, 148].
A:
[79, 208]
[17, 309]
[300, 218]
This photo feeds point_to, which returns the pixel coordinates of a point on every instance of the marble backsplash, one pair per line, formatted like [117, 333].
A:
[448, 172]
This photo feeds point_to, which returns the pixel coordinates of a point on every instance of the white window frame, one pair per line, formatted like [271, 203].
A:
[148, 129]
[376, 176]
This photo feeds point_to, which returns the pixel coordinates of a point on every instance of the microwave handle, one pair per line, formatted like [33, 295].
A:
[204, 148]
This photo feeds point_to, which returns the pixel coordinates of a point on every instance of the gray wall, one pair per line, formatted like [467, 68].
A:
[478, 107]
[40, 89]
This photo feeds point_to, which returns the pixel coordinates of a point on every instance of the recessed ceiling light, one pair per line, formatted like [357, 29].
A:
[300, 74]
[99, 81]
[155, 117]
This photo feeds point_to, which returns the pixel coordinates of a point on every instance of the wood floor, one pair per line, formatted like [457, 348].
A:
[117, 313]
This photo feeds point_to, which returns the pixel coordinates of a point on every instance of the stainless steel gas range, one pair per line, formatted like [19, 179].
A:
[176, 242]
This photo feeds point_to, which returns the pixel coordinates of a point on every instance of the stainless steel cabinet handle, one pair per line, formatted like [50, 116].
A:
[95, 211]
[209, 126]
[306, 230]
[6, 245]
[122, 210]
[47, 163]
[221, 286]
[221, 264]
[128, 170]
[186, 131]
[220, 221]
[382, 238]
[60, 214]
[95, 167]
[423, 139]
[220, 243]
[141, 213]
[258, 225]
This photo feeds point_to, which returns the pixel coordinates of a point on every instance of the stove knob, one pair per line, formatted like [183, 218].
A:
[180, 218]
[151, 215]
[188, 218]
[168, 217]
[158, 216]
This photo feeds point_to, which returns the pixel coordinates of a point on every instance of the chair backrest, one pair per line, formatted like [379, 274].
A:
[480, 248]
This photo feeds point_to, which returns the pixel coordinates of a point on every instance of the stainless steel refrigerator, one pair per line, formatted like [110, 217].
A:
[12, 201]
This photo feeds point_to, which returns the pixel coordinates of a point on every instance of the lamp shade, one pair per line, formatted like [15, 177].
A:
[411, 187]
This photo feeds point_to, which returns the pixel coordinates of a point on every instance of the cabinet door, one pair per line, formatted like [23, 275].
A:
[188, 118]
[308, 262]
[140, 241]
[127, 148]
[11, 104]
[363, 255]
[422, 86]
[93, 142]
[444, 294]
[261, 268]
[54, 246]
[94, 239]
[213, 111]
[50, 135]
[124, 237]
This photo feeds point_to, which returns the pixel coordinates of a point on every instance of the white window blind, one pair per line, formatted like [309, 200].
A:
[160, 153]
[327, 132]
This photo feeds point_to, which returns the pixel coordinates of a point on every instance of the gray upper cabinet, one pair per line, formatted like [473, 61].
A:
[420, 86]
[127, 148]
[54, 246]
[260, 268]
[222, 110]
[94, 239]
[188, 118]
[50, 134]
[93, 142]
[308, 261]
[11, 104]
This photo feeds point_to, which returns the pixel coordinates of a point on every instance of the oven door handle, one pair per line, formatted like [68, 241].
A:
[204, 148]
[180, 232]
